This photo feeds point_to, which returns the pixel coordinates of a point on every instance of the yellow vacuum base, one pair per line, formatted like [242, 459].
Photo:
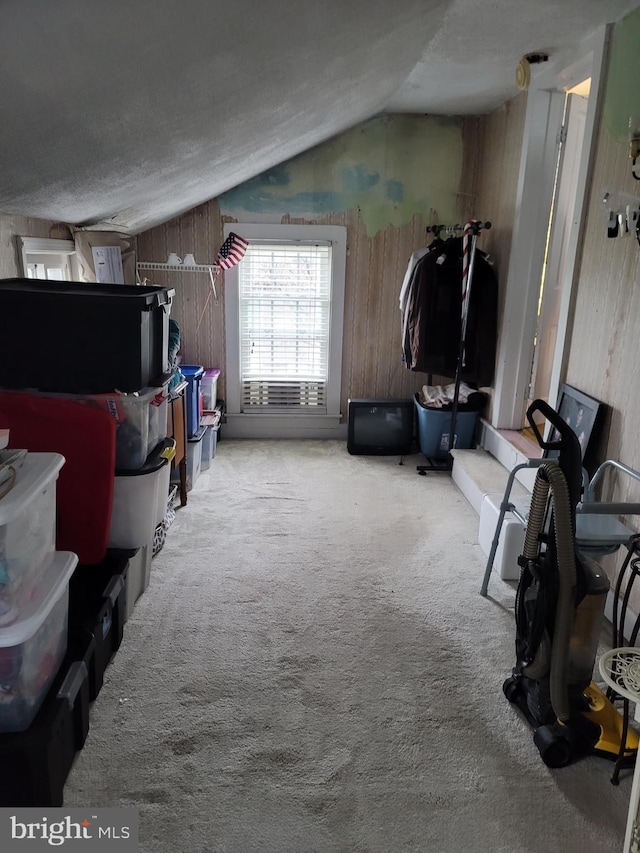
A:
[604, 714]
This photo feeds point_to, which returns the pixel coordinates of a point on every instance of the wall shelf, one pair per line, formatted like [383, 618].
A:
[210, 269]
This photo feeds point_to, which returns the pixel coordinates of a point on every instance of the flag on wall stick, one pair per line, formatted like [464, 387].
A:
[231, 252]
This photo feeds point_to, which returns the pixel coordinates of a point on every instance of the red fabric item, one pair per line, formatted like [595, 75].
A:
[86, 437]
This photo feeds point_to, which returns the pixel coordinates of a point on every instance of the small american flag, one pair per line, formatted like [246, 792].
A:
[231, 252]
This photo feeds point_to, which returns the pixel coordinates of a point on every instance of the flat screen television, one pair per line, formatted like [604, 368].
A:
[380, 427]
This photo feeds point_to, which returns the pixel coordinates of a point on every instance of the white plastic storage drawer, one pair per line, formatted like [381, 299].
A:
[140, 499]
[27, 531]
[32, 647]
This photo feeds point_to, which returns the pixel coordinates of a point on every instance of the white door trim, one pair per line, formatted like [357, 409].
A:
[533, 201]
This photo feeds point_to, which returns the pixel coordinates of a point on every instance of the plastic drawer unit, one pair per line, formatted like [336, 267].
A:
[82, 338]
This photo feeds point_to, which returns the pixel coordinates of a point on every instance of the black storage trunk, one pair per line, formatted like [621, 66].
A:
[97, 613]
[34, 764]
[82, 338]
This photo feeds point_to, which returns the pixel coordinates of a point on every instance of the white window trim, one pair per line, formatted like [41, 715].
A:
[46, 246]
[295, 424]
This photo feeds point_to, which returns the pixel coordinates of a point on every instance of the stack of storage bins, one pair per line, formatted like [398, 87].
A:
[34, 588]
[106, 346]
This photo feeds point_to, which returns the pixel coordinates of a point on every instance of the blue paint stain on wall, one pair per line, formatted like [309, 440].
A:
[252, 197]
[395, 191]
[356, 179]
[255, 195]
[322, 202]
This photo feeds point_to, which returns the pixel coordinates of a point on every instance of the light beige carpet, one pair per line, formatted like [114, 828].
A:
[312, 670]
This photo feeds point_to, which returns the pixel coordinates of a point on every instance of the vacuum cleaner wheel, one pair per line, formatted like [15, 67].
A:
[512, 689]
[555, 749]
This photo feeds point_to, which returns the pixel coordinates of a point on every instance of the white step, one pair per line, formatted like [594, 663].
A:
[477, 473]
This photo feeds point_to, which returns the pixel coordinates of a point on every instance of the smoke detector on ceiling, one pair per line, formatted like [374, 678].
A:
[523, 70]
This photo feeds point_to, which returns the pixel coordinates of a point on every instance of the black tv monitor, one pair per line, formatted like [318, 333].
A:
[380, 427]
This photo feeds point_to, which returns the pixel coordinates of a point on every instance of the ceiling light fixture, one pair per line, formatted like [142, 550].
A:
[523, 70]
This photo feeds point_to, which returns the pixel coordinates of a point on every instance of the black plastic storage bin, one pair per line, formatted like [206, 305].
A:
[97, 610]
[82, 338]
[35, 763]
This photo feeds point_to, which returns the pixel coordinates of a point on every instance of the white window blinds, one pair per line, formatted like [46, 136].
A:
[285, 314]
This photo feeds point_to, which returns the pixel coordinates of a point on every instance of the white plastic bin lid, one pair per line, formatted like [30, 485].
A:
[48, 594]
[35, 473]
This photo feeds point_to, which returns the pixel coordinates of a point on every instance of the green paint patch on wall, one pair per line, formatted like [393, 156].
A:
[622, 99]
[391, 168]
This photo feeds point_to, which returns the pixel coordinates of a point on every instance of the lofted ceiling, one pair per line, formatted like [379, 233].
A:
[131, 112]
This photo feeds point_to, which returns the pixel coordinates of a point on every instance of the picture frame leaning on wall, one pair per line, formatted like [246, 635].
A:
[580, 411]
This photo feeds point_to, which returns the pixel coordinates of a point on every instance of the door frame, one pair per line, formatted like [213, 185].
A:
[542, 129]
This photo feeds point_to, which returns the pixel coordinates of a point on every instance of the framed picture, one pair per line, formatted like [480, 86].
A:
[578, 410]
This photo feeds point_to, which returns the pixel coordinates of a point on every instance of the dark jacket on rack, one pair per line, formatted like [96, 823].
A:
[433, 321]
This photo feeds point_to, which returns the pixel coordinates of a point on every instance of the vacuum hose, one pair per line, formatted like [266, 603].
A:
[551, 476]
[539, 666]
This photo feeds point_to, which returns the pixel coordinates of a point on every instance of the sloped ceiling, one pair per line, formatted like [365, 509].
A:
[133, 111]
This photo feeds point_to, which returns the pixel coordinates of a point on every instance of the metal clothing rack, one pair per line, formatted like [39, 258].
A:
[470, 231]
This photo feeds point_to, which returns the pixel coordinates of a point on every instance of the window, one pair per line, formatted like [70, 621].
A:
[44, 258]
[284, 306]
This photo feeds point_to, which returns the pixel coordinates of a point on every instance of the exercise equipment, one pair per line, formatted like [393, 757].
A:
[559, 610]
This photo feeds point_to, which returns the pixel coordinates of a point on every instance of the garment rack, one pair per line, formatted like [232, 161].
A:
[470, 231]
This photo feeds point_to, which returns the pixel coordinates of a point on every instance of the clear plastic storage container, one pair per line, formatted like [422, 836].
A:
[209, 387]
[32, 648]
[141, 420]
[27, 531]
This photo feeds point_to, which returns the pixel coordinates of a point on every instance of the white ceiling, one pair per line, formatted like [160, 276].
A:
[134, 111]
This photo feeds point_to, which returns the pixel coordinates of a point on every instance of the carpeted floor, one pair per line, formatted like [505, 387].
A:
[312, 670]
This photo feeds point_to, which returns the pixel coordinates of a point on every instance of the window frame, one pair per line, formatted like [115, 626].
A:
[30, 247]
[295, 423]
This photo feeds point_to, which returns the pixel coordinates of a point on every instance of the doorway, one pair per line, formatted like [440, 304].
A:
[540, 253]
[556, 270]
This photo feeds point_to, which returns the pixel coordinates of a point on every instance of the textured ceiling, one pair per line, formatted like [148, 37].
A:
[134, 111]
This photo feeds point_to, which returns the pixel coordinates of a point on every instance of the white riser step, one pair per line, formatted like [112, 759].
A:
[477, 473]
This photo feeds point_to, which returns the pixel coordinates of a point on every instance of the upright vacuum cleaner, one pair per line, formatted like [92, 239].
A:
[559, 611]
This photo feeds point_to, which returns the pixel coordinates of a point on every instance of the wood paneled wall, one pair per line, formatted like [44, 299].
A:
[371, 364]
[604, 355]
[493, 145]
[605, 342]
[496, 166]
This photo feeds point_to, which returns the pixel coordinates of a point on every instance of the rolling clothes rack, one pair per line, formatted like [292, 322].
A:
[470, 232]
